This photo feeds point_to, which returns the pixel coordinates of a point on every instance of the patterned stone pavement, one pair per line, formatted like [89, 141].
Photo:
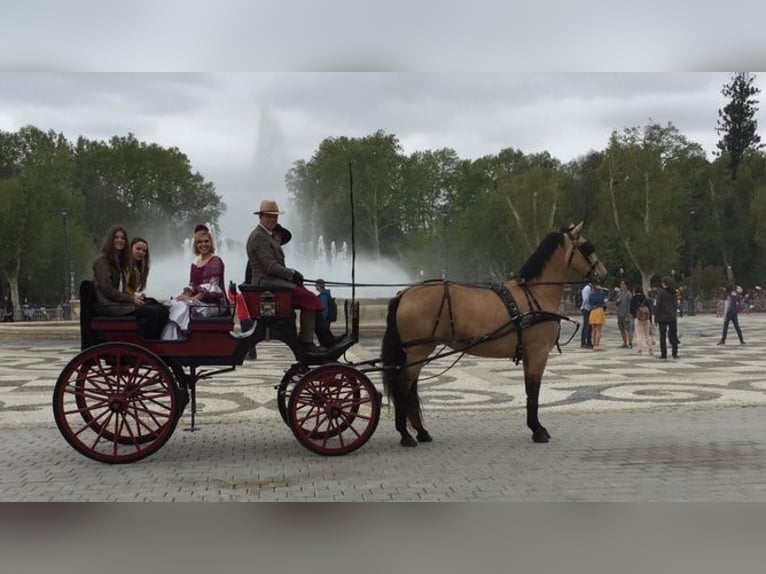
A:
[576, 380]
[625, 427]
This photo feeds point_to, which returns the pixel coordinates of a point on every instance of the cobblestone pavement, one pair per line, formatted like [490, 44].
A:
[624, 427]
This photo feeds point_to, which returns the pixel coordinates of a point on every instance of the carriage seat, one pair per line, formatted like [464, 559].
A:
[268, 300]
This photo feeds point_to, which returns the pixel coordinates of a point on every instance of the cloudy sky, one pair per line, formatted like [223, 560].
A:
[243, 130]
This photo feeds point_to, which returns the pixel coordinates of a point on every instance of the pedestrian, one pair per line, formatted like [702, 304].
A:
[597, 317]
[586, 341]
[624, 317]
[666, 313]
[324, 295]
[732, 307]
[27, 310]
[8, 310]
[641, 312]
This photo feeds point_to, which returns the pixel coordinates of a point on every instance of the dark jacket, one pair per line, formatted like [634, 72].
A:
[665, 310]
[111, 300]
[267, 260]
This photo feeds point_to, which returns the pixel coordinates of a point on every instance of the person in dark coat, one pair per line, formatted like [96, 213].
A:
[267, 263]
[112, 297]
[665, 312]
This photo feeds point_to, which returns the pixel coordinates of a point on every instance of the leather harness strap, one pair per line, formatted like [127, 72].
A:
[518, 322]
[515, 314]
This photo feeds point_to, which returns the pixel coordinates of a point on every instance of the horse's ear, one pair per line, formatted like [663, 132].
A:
[575, 230]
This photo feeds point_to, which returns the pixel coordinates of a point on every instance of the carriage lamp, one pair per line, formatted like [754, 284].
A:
[268, 304]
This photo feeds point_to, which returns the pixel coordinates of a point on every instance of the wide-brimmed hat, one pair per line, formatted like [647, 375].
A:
[268, 207]
[283, 232]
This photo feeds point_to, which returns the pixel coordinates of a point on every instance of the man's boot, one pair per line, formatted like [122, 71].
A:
[306, 335]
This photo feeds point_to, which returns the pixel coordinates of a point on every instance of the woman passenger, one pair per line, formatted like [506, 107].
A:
[204, 296]
[137, 268]
[112, 296]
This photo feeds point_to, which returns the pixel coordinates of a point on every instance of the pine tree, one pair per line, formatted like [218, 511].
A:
[737, 125]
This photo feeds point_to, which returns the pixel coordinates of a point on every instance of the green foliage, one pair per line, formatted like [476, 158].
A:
[645, 194]
[143, 186]
[320, 188]
[646, 201]
[651, 203]
[58, 200]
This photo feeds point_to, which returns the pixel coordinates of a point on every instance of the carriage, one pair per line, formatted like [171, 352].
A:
[122, 397]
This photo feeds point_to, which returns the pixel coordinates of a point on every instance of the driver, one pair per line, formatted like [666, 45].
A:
[267, 264]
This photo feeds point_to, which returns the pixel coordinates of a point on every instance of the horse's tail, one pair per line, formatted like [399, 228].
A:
[392, 353]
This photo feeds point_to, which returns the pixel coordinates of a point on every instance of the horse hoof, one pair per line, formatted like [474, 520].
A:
[408, 441]
[424, 436]
[541, 436]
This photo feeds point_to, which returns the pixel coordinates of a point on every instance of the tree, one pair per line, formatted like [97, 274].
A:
[642, 184]
[36, 169]
[97, 184]
[737, 125]
[320, 188]
[143, 186]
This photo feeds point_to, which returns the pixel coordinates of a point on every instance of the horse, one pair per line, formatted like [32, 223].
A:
[518, 319]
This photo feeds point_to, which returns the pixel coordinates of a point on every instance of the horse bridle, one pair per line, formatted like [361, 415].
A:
[587, 250]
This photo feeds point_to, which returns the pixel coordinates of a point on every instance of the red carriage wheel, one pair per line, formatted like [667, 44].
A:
[292, 376]
[116, 403]
[333, 410]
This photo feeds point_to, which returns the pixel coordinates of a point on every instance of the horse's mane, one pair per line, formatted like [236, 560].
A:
[534, 266]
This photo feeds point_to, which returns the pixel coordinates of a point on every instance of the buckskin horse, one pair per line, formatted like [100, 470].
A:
[517, 319]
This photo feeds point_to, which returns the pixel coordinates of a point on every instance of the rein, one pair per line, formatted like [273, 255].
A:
[518, 321]
[405, 285]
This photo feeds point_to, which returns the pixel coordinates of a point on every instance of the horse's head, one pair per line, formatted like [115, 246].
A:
[582, 257]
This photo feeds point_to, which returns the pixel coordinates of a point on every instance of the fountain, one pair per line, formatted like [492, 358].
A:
[170, 272]
[309, 255]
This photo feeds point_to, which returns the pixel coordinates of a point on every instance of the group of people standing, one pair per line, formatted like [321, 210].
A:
[121, 274]
[636, 313]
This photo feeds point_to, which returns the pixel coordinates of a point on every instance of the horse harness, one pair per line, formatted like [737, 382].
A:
[518, 320]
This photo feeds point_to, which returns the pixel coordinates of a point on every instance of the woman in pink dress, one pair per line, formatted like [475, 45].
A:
[204, 296]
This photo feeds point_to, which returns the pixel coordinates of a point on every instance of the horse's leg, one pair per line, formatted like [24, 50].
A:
[532, 378]
[402, 395]
[415, 415]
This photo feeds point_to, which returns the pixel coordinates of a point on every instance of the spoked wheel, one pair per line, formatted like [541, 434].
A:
[333, 410]
[292, 376]
[116, 403]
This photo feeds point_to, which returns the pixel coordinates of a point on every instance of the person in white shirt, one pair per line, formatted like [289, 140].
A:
[585, 307]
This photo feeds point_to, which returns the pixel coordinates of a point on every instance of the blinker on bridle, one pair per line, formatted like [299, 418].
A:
[587, 250]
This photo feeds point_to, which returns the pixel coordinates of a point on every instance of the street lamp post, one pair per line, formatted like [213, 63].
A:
[692, 307]
[445, 245]
[70, 272]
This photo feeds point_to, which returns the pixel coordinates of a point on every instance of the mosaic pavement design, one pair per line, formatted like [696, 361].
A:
[706, 375]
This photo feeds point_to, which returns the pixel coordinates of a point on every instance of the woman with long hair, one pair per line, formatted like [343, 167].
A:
[204, 296]
[112, 295]
[137, 268]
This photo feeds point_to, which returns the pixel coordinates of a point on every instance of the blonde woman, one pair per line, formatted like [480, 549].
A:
[204, 296]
